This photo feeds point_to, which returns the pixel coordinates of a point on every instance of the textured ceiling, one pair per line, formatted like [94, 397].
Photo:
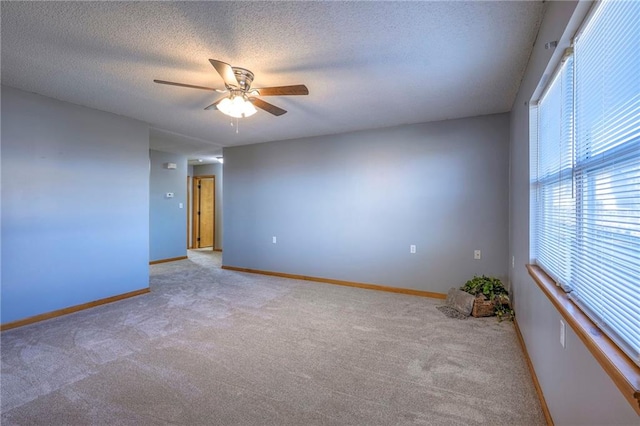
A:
[366, 64]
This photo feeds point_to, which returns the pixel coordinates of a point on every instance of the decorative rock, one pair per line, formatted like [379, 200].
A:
[460, 300]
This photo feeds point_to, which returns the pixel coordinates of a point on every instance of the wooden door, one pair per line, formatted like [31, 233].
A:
[203, 211]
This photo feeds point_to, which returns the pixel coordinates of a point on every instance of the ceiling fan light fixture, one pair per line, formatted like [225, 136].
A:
[237, 107]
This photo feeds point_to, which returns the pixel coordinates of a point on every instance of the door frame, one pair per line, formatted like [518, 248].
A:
[195, 219]
[189, 211]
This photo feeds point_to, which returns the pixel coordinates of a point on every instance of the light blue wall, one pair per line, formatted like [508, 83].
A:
[576, 388]
[75, 205]
[167, 219]
[349, 206]
[215, 170]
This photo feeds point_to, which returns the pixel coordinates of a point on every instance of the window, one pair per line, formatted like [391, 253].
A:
[555, 204]
[586, 173]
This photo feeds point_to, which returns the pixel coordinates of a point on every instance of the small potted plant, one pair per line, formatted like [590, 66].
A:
[491, 297]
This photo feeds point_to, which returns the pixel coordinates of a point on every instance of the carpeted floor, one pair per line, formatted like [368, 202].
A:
[215, 347]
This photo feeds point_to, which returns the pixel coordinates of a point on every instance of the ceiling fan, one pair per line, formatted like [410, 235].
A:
[241, 99]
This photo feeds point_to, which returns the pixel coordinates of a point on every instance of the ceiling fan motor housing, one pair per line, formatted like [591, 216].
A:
[244, 77]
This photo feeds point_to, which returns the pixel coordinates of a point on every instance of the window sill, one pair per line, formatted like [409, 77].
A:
[624, 372]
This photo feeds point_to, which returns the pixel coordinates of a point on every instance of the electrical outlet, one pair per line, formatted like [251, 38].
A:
[513, 261]
[477, 254]
[563, 334]
[273, 240]
[412, 248]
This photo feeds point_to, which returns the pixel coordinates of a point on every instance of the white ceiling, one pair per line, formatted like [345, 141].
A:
[366, 64]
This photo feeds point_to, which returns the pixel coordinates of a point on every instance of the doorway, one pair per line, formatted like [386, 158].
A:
[203, 210]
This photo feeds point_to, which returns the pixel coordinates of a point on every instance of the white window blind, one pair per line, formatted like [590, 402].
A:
[592, 205]
[555, 202]
[607, 115]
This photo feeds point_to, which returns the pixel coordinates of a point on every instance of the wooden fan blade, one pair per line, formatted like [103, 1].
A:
[267, 107]
[191, 86]
[226, 72]
[298, 89]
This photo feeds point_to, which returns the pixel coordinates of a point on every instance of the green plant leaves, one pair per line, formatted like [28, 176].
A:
[492, 289]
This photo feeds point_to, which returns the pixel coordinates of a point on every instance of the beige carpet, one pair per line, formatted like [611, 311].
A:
[215, 347]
